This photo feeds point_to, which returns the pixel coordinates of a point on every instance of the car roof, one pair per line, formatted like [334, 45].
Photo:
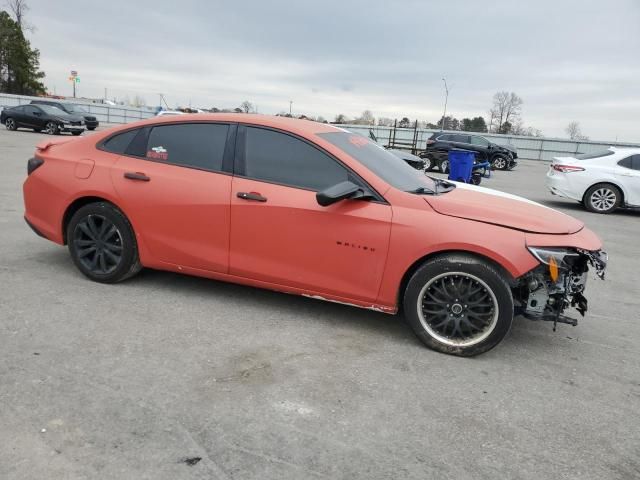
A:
[302, 127]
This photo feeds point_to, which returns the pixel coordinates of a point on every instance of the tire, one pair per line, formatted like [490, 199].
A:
[429, 164]
[75, 134]
[91, 128]
[102, 243]
[477, 307]
[602, 198]
[52, 128]
[444, 166]
[500, 162]
[11, 124]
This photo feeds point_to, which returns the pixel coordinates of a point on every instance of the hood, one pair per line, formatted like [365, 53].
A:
[67, 117]
[498, 208]
[511, 148]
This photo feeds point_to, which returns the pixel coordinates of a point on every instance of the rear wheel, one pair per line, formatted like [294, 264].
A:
[428, 163]
[602, 198]
[11, 124]
[91, 128]
[444, 166]
[52, 128]
[459, 304]
[76, 133]
[102, 243]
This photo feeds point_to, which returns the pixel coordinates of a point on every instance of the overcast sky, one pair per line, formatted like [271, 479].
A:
[568, 59]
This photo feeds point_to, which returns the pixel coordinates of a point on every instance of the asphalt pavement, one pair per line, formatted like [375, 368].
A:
[175, 377]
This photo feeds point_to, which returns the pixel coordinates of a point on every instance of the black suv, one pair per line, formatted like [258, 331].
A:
[72, 109]
[502, 157]
[41, 117]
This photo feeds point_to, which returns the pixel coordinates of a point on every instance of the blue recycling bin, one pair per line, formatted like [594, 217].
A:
[461, 165]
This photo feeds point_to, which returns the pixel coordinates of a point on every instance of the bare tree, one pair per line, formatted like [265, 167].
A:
[246, 106]
[340, 118]
[366, 118]
[19, 8]
[574, 132]
[506, 109]
[385, 121]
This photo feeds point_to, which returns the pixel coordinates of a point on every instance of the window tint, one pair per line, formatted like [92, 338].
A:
[632, 162]
[479, 141]
[17, 109]
[119, 143]
[277, 157]
[460, 138]
[199, 145]
[445, 138]
[29, 110]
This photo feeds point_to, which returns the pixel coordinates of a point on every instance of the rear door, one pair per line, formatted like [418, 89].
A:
[628, 173]
[281, 235]
[175, 189]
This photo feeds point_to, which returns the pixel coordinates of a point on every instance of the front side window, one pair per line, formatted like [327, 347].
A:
[198, 145]
[483, 142]
[280, 158]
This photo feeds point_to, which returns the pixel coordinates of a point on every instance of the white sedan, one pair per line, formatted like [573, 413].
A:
[601, 181]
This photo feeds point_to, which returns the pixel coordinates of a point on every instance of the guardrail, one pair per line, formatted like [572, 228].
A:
[104, 113]
[531, 148]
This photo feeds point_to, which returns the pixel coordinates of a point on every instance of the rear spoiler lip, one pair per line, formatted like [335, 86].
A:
[45, 144]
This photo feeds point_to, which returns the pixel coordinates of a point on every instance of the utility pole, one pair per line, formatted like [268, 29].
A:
[446, 98]
[290, 104]
[105, 93]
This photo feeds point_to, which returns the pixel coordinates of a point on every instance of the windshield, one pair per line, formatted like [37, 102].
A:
[385, 165]
[52, 110]
[76, 109]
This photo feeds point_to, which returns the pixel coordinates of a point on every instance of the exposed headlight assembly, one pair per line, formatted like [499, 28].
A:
[555, 258]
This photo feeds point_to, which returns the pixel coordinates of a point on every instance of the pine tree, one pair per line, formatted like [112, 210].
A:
[19, 63]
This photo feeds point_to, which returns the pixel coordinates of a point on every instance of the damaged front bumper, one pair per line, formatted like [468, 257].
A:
[557, 284]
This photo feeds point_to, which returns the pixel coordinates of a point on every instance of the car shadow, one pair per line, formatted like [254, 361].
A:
[575, 206]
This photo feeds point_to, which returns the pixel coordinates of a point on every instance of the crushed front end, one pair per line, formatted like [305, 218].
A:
[557, 283]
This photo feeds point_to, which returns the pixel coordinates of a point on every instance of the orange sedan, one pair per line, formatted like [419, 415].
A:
[310, 209]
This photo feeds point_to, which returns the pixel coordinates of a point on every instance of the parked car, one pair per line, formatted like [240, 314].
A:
[310, 209]
[90, 121]
[501, 157]
[411, 159]
[162, 113]
[41, 117]
[600, 181]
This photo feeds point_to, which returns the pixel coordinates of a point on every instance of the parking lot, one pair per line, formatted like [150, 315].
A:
[174, 377]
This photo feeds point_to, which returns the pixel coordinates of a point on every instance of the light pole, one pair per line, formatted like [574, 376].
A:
[446, 98]
[290, 104]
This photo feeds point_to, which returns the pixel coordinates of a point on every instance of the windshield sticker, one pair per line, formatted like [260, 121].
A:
[159, 153]
[358, 141]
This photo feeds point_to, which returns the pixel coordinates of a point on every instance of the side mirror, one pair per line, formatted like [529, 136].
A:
[341, 191]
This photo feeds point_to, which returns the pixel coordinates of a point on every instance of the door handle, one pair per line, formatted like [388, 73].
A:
[255, 196]
[136, 176]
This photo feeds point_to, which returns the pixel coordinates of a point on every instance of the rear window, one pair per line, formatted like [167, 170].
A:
[587, 156]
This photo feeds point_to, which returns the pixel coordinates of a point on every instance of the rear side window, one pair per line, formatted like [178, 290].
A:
[479, 141]
[460, 138]
[198, 145]
[119, 143]
[280, 158]
[632, 162]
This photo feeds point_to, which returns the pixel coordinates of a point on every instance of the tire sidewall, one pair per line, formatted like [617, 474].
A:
[11, 124]
[480, 268]
[500, 158]
[587, 198]
[129, 245]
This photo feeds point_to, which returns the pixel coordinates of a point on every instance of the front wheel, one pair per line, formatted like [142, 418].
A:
[459, 304]
[52, 128]
[102, 243]
[500, 162]
[602, 198]
[11, 124]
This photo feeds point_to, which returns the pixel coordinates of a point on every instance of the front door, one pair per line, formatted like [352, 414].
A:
[279, 232]
[628, 173]
[175, 193]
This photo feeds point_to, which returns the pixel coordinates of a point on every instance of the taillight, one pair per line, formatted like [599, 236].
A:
[430, 142]
[33, 164]
[566, 168]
